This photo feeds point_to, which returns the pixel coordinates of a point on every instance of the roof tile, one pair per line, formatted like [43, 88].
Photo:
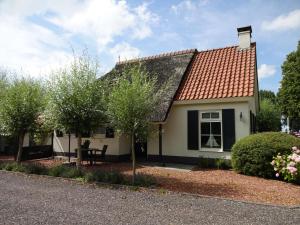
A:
[219, 73]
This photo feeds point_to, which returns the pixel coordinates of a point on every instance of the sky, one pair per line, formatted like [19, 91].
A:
[38, 37]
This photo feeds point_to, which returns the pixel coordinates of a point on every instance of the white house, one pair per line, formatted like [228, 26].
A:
[212, 102]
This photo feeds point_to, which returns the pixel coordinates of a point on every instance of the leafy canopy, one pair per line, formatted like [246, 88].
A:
[269, 117]
[21, 104]
[76, 96]
[132, 101]
[289, 92]
[266, 94]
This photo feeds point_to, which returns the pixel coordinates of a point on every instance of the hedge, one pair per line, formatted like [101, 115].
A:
[253, 154]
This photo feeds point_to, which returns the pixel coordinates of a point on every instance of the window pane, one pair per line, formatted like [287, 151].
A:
[205, 128]
[216, 128]
[215, 115]
[205, 143]
[216, 143]
[205, 115]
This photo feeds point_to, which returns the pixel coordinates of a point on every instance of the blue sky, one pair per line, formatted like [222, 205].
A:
[37, 37]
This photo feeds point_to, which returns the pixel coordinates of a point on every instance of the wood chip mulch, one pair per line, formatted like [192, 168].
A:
[212, 182]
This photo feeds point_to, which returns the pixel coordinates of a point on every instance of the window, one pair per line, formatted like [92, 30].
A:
[211, 130]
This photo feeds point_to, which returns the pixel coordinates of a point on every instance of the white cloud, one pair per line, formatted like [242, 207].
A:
[125, 51]
[284, 22]
[28, 41]
[265, 71]
[104, 20]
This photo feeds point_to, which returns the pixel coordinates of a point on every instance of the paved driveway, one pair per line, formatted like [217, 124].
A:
[38, 200]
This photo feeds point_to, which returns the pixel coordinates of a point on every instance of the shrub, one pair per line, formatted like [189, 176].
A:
[113, 178]
[214, 163]
[144, 180]
[224, 164]
[106, 177]
[288, 166]
[13, 167]
[36, 169]
[252, 155]
[69, 172]
[56, 171]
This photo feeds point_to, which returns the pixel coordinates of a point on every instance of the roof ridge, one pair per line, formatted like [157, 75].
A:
[231, 46]
[165, 54]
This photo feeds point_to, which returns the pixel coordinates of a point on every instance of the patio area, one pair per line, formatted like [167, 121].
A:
[209, 182]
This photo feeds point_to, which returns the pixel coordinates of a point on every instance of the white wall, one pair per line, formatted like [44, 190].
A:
[116, 146]
[174, 137]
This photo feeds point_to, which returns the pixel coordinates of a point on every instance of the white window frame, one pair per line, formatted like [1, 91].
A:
[201, 120]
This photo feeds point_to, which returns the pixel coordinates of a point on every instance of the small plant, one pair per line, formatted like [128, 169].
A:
[224, 164]
[113, 178]
[144, 180]
[36, 169]
[56, 171]
[72, 173]
[210, 163]
[288, 165]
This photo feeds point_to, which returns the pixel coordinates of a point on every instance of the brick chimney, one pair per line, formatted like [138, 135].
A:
[244, 34]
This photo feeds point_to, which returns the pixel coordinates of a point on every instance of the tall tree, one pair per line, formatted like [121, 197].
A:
[289, 92]
[76, 98]
[130, 105]
[20, 107]
[268, 118]
[266, 94]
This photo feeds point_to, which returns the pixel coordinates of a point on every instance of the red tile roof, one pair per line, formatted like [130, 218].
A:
[220, 73]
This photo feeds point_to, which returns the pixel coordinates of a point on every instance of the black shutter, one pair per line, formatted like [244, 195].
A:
[193, 130]
[228, 124]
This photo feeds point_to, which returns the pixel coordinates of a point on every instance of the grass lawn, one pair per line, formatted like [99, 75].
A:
[212, 182]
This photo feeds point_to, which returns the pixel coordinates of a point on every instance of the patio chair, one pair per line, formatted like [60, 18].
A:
[100, 157]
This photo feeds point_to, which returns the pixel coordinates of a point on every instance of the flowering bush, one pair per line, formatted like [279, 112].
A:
[288, 166]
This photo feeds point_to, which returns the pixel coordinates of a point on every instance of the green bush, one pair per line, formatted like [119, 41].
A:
[72, 173]
[144, 180]
[113, 178]
[253, 154]
[211, 163]
[36, 169]
[56, 171]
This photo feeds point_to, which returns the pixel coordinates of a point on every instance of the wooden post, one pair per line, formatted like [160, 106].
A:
[69, 147]
[160, 144]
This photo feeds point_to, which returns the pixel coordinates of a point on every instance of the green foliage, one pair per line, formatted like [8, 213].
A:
[56, 171]
[71, 172]
[106, 177]
[288, 166]
[252, 155]
[36, 169]
[269, 118]
[220, 163]
[144, 180]
[20, 106]
[289, 92]
[269, 95]
[76, 97]
[15, 167]
[132, 101]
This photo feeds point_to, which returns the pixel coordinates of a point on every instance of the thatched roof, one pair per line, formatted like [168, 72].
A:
[169, 69]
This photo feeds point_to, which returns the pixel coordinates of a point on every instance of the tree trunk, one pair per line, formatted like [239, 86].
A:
[133, 158]
[79, 153]
[20, 146]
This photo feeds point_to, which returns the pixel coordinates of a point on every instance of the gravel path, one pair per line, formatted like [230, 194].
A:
[39, 200]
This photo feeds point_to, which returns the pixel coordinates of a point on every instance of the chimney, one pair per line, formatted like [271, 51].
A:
[244, 34]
